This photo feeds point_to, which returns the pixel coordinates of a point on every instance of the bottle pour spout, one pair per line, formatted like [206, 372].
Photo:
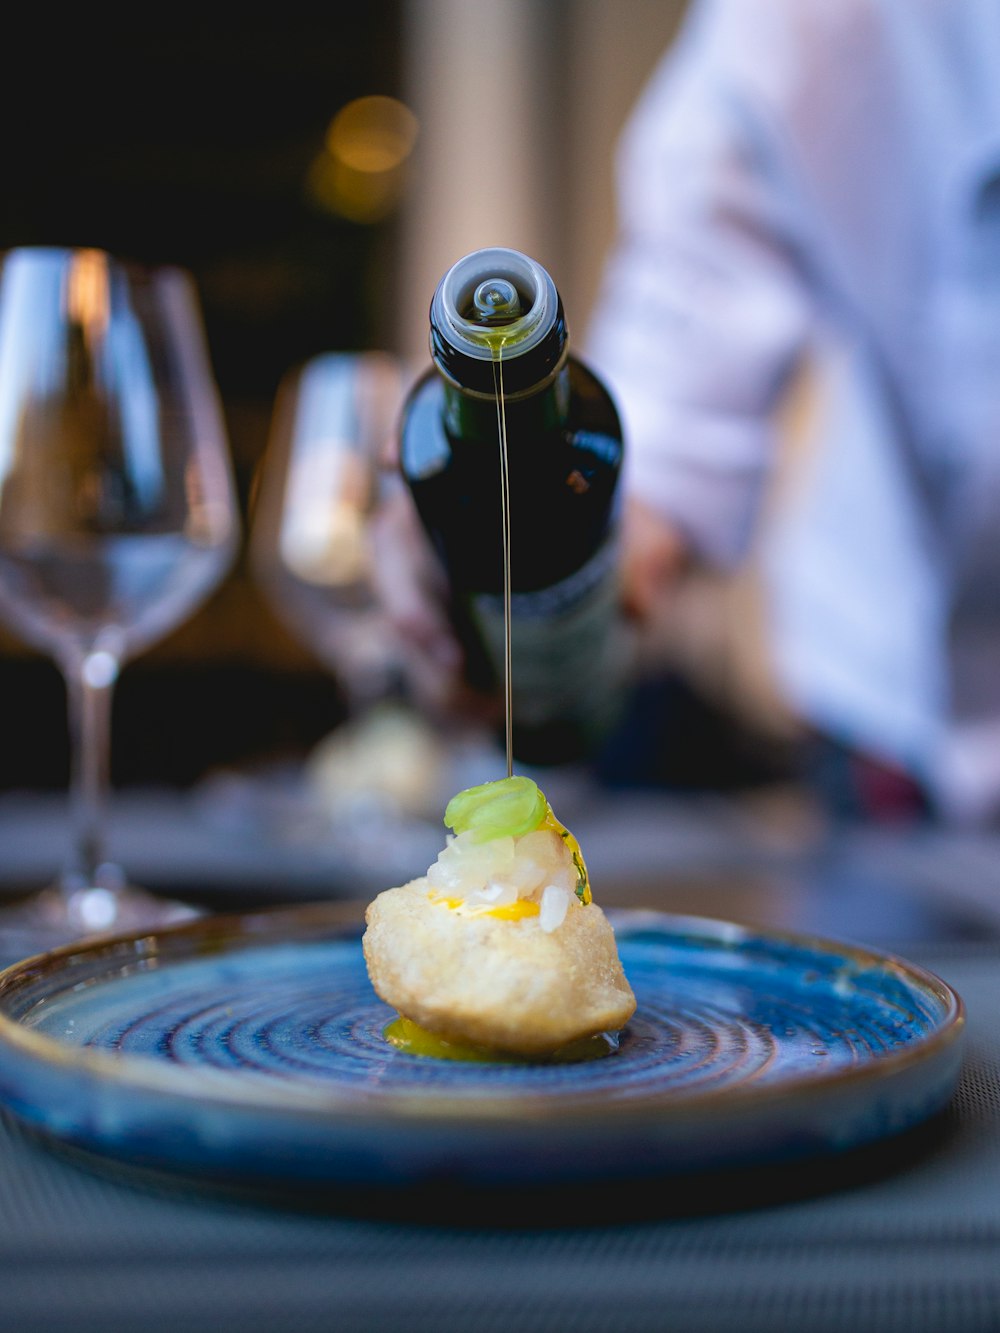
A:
[491, 300]
[496, 301]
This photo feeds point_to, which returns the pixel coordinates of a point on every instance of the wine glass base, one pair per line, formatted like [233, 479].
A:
[54, 917]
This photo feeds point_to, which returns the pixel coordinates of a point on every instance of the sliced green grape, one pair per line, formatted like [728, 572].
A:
[507, 808]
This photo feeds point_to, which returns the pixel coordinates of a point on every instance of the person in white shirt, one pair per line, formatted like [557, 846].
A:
[807, 183]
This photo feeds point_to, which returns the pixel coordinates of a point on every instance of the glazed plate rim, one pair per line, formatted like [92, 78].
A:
[311, 923]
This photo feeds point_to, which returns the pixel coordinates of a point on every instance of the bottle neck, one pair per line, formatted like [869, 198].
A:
[497, 302]
[529, 413]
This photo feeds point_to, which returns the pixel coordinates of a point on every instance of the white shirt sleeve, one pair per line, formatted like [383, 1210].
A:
[705, 305]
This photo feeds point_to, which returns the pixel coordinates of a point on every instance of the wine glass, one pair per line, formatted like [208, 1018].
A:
[117, 518]
[318, 485]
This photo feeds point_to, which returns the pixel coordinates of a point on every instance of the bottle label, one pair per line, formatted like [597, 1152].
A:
[567, 663]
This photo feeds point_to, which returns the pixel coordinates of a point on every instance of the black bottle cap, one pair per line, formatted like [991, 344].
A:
[474, 313]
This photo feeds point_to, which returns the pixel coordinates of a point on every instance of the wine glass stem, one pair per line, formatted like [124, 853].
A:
[90, 681]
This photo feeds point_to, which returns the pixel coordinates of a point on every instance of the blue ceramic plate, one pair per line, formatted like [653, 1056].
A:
[248, 1051]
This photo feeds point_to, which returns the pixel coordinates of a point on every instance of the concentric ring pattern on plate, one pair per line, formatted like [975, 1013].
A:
[265, 1031]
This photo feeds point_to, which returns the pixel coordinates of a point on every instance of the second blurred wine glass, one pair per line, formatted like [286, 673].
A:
[117, 516]
[316, 490]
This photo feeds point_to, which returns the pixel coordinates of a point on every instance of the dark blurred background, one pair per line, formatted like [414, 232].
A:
[201, 143]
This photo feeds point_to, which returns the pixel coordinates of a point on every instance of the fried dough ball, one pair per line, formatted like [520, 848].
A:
[477, 978]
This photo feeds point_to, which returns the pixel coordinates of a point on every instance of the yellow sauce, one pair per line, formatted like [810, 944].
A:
[509, 912]
[411, 1039]
[512, 911]
[443, 901]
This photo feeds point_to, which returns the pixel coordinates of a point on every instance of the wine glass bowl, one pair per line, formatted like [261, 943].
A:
[117, 511]
[317, 487]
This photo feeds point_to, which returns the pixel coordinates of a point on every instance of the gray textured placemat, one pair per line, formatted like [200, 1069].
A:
[891, 1245]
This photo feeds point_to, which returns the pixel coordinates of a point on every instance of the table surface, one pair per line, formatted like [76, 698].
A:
[903, 1236]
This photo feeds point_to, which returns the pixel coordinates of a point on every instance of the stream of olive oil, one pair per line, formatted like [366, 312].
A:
[508, 690]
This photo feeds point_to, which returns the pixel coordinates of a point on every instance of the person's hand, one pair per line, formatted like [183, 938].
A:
[411, 588]
[653, 557]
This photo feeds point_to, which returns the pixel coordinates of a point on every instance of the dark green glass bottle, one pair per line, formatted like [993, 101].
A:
[564, 451]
